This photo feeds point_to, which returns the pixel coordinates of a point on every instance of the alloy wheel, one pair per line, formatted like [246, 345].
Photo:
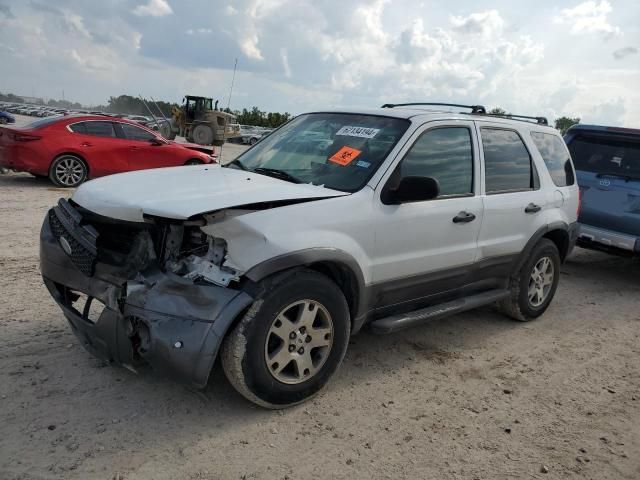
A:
[299, 342]
[541, 281]
[69, 171]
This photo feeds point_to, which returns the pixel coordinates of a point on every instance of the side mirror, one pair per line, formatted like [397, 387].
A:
[413, 189]
[156, 142]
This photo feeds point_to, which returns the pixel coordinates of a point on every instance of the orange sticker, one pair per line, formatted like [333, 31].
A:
[345, 156]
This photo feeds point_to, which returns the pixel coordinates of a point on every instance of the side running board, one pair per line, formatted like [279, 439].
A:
[418, 317]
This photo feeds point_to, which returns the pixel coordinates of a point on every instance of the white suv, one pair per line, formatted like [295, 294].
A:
[388, 217]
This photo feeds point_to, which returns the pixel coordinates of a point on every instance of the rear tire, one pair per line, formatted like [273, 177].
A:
[534, 285]
[68, 171]
[203, 135]
[290, 342]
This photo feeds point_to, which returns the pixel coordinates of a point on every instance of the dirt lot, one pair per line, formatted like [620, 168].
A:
[475, 396]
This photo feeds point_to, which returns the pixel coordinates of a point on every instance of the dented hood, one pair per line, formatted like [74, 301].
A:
[182, 192]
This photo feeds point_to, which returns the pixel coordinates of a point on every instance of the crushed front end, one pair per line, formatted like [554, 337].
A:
[154, 293]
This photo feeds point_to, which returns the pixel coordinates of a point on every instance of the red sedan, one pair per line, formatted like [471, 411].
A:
[72, 149]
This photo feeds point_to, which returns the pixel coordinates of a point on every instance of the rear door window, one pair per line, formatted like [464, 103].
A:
[506, 160]
[556, 157]
[78, 127]
[602, 155]
[99, 129]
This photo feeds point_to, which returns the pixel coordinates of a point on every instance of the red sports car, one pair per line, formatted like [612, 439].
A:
[72, 149]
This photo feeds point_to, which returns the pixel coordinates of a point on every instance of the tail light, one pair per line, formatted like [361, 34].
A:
[579, 202]
[23, 137]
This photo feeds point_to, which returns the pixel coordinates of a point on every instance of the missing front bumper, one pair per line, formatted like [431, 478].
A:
[159, 319]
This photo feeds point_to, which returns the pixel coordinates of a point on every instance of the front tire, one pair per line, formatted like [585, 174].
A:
[535, 284]
[194, 161]
[290, 342]
[68, 171]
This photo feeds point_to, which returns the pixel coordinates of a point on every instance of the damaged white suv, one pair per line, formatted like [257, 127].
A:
[389, 217]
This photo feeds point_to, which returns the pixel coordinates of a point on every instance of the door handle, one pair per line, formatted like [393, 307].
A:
[532, 208]
[464, 217]
[86, 144]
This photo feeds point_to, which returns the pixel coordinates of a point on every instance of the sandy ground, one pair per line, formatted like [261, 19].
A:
[475, 396]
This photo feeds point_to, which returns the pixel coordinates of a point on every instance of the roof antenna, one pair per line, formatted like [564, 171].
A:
[224, 133]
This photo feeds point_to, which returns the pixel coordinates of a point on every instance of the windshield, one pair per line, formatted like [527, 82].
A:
[337, 150]
[606, 156]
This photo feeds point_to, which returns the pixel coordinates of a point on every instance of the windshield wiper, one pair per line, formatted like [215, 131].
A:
[238, 163]
[280, 174]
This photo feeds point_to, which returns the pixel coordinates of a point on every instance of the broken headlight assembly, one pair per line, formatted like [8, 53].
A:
[199, 256]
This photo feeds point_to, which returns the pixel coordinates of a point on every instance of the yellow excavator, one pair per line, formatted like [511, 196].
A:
[199, 121]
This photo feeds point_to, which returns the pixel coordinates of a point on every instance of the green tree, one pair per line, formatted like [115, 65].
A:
[565, 123]
[497, 111]
[258, 118]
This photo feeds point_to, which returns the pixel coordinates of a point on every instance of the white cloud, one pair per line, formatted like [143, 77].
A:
[249, 46]
[154, 8]
[75, 24]
[285, 62]
[92, 62]
[589, 17]
[199, 31]
[487, 24]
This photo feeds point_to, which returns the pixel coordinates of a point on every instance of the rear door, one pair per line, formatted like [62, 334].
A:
[143, 154]
[513, 200]
[97, 142]
[608, 170]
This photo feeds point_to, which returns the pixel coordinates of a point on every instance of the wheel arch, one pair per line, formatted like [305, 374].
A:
[561, 238]
[560, 233]
[336, 264]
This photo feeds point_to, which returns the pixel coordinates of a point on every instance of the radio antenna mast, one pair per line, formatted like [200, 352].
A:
[224, 134]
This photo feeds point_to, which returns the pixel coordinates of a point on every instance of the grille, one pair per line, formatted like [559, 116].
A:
[80, 256]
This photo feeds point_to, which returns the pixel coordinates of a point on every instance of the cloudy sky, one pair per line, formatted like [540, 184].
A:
[578, 58]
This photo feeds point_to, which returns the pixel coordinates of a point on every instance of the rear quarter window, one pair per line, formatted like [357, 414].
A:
[556, 157]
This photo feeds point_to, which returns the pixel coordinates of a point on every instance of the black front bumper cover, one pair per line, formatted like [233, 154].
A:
[151, 317]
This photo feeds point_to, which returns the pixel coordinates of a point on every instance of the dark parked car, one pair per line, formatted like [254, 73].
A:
[6, 117]
[607, 161]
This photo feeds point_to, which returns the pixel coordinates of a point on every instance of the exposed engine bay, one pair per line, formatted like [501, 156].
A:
[194, 255]
[181, 248]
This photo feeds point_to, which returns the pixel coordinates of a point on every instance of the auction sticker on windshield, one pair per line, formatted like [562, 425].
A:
[345, 156]
[362, 132]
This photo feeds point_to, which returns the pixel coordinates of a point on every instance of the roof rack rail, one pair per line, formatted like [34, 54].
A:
[474, 108]
[539, 120]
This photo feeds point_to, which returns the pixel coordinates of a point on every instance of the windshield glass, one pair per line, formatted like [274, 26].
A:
[337, 150]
